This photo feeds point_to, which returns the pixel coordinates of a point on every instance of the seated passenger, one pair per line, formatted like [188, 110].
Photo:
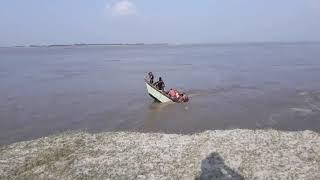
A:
[172, 93]
[184, 98]
[177, 94]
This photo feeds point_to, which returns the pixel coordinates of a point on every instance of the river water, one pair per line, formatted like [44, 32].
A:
[101, 88]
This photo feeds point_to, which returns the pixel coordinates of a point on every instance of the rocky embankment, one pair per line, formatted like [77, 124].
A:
[237, 154]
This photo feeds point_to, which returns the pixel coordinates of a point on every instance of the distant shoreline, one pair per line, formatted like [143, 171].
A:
[163, 44]
[84, 44]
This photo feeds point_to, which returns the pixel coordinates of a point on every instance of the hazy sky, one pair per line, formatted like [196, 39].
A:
[24, 22]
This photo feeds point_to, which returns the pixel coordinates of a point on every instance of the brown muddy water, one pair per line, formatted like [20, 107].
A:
[101, 88]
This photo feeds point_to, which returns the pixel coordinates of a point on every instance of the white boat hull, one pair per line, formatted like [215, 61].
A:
[157, 94]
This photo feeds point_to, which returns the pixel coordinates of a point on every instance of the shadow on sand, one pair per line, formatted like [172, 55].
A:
[213, 167]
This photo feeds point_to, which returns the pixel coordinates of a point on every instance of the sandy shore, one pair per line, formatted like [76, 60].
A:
[237, 154]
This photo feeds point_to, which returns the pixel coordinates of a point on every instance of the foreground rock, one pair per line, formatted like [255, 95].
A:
[237, 154]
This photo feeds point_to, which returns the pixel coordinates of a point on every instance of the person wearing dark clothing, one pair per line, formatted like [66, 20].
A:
[160, 84]
[151, 77]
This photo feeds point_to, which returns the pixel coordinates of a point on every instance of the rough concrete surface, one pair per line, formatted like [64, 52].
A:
[221, 154]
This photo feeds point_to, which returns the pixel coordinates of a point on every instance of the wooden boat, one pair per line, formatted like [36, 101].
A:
[157, 94]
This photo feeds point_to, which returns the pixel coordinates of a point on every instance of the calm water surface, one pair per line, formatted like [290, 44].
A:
[253, 86]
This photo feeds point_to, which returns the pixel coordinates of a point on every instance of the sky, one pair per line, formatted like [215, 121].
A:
[25, 22]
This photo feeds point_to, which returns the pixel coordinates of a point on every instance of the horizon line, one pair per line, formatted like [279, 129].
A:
[146, 44]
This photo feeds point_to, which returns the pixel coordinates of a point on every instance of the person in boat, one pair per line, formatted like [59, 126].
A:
[177, 94]
[160, 84]
[150, 77]
[183, 98]
[171, 93]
